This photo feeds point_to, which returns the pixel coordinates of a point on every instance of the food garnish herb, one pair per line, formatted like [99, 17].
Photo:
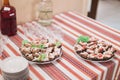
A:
[83, 39]
[41, 46]
[34, 46]
[24, 42]
[58, 43]
[41, 57]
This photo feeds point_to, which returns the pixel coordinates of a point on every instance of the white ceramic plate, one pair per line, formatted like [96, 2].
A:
[45, 62]
[93, 60]
[14, 65]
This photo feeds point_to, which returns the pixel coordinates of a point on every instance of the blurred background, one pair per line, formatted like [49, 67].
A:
[105, 11]
[26, 9]
[109, 13]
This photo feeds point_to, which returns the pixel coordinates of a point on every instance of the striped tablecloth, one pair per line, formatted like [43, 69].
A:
[70, 67]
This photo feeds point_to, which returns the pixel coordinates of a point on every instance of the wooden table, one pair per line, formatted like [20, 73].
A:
[69, 66]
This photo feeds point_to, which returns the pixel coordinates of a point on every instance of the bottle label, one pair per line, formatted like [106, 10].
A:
[12, 14]
[7, 9]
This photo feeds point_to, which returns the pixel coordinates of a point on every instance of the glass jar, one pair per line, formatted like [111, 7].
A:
[45, 12]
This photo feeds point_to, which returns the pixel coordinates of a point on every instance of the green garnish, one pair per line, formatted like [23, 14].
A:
[83, 39]
[24, 42]
[34, 46]
[41, 46]
[41, 57]
[58, 43]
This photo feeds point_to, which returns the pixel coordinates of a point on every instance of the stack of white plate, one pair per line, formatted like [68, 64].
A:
[15, 68]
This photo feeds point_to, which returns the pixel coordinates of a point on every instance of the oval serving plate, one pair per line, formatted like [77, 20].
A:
[37, 52]
[79, 57]
[92, 49]
[44, 62]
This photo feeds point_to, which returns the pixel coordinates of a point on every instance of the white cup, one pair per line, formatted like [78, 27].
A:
[15, 68]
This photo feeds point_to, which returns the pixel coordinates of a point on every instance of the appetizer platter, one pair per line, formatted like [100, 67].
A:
[41, 51]
[93, 49]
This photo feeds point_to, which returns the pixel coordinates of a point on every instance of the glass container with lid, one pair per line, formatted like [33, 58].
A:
[45, 12]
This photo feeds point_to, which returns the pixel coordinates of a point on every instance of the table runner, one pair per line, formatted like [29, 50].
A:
[69, 66]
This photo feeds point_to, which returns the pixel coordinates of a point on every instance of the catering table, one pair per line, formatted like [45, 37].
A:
[70, 67]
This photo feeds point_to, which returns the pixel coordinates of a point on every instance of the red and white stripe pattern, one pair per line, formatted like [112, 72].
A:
[69, 66]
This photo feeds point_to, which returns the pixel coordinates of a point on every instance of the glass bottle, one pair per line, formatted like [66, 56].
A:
[8, 19]
[45, 12]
